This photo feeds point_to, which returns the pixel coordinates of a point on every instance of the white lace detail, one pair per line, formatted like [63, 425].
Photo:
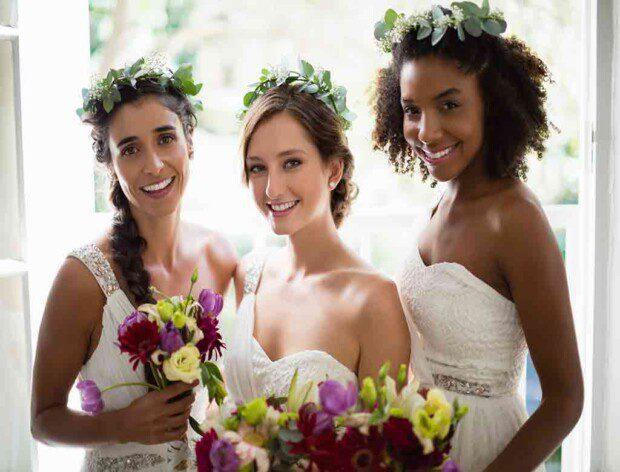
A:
[92, 257]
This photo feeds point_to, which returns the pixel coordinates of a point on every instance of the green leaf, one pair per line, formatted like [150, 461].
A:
[473, 27]
[424, 32]
[108, 104]
[438, 33]
[438, 13]
[494, 27]
[116, 95]
[381, 30]
[390, 17]
[248, 98]
[213, 370]
[460, 31]
[348, 115]
[136, 66]
[327, 78]
[306, 68]
[85, 93]
[312, 88]
[469, 8]
[265, 72]
[486, 8]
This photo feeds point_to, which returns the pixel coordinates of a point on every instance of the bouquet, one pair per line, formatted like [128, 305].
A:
[176, 339]
[386, 425]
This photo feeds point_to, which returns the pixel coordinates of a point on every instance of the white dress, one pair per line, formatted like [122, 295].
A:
[474, 349]
[108, 366]
[250, 373]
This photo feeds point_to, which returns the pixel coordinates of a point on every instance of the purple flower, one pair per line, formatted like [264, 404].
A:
[90, 395]
[450, 466]
[223, 456]
[210, 301]
[335, 398]
[170, 338]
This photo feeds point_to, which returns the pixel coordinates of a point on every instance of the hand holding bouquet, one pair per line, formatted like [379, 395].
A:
[176, 339]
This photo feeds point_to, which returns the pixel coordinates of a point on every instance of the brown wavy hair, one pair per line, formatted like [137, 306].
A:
[127, 244]
[512, 79]
[323, 126]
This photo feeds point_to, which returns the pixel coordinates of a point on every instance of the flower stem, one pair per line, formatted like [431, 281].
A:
[131, 384]
[195, 426]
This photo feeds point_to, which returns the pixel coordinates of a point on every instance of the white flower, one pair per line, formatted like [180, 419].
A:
[158, 356]
[183, 364]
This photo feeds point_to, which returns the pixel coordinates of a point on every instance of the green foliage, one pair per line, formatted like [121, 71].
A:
[316, 82]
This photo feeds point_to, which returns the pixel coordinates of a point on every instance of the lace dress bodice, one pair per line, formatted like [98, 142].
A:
[108, 366]
[250, 373]
[474, 348]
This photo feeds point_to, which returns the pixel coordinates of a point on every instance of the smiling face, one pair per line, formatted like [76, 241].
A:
[443, 119]
[150, 155]
[289, 179]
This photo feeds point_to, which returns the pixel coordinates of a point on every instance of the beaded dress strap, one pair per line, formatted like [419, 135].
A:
[92, 257]
[254, 271]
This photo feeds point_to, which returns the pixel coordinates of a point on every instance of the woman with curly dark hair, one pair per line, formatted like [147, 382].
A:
[464, 106]
[142, 123]
[312, 306]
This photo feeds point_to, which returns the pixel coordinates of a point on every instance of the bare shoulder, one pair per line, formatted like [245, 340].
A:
[519, 213]
[215, 246]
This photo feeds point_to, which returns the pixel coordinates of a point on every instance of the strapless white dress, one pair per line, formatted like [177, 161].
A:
[108, 366]
[250, 373]
[474, 347]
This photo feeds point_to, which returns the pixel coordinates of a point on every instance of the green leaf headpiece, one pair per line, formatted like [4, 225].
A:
[105, 90]
[315, 82]
[465, 17]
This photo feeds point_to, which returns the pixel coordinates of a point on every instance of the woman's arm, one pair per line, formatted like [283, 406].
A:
[73, 311]
[384, 335]
[532, 264]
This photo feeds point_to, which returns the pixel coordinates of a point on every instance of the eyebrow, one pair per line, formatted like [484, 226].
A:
[159, 129]
[444, 94]
[287, 152]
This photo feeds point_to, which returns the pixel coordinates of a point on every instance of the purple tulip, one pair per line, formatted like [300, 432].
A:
[210, 301]
[171, 339]
[450, 466]
[335, 398]
[90, 395]
[223, 457]
[135, 317]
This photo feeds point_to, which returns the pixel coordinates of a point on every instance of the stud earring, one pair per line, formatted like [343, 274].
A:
[332, 185]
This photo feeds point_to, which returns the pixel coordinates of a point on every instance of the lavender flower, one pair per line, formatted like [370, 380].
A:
[335, 398]
[211, 301]
[171, 339]
[90, 395]
[223, 457]
[450, 466]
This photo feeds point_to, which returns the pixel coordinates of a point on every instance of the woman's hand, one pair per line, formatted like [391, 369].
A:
[154, 419]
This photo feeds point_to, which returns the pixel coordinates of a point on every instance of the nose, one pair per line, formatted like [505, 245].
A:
[275, 185]
[429, 130]
[153, 163]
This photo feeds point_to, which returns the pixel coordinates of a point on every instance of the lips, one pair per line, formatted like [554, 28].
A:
[159, 189]
[439, 155]
[282, 208]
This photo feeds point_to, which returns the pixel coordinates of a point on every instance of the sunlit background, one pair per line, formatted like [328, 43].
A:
[228, 42]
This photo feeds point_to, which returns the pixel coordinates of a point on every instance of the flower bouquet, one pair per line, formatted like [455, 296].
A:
[386, 425]
[176, 338]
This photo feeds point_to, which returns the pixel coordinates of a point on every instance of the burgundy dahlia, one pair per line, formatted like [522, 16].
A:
[203, 451]
[405, 448]
[359, 452]
[138, 337]
[211, 345]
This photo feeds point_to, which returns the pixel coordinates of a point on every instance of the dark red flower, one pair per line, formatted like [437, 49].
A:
[405, 448]
[319, 437]
[138, 337]
[359, 452]
[211, 345]
[203, 451]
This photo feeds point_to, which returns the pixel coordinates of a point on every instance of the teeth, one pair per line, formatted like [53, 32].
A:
[158, 186]
[439, 155]
[282, 206]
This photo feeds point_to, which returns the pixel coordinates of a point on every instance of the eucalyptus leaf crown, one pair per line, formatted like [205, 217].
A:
[466, 18]
[316, 82]
[153, 69]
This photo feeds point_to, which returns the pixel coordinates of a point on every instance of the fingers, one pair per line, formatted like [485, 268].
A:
[180, 406]
[177, 389]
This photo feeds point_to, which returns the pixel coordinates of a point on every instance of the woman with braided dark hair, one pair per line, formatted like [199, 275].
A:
[142, 123]
[485, 280]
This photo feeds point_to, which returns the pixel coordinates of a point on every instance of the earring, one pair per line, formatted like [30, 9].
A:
[332, 185]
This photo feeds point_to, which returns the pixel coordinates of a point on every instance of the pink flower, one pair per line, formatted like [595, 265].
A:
[90, 395]
[335, 398]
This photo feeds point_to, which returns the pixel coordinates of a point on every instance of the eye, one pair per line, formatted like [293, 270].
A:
[256, 169]
[129, 150]
[411, 111]
[167, 138]
[292, 163]
[450, 105]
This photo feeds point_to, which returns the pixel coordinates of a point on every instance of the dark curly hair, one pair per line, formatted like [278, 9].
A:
[324, 127]
[126, 242]
[512, 79]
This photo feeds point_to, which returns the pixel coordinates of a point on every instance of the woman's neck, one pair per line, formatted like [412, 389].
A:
[162, 235]
[314, 248]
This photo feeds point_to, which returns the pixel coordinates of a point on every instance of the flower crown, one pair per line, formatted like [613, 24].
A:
[105, 90]
[464, 17]
[315, 82]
